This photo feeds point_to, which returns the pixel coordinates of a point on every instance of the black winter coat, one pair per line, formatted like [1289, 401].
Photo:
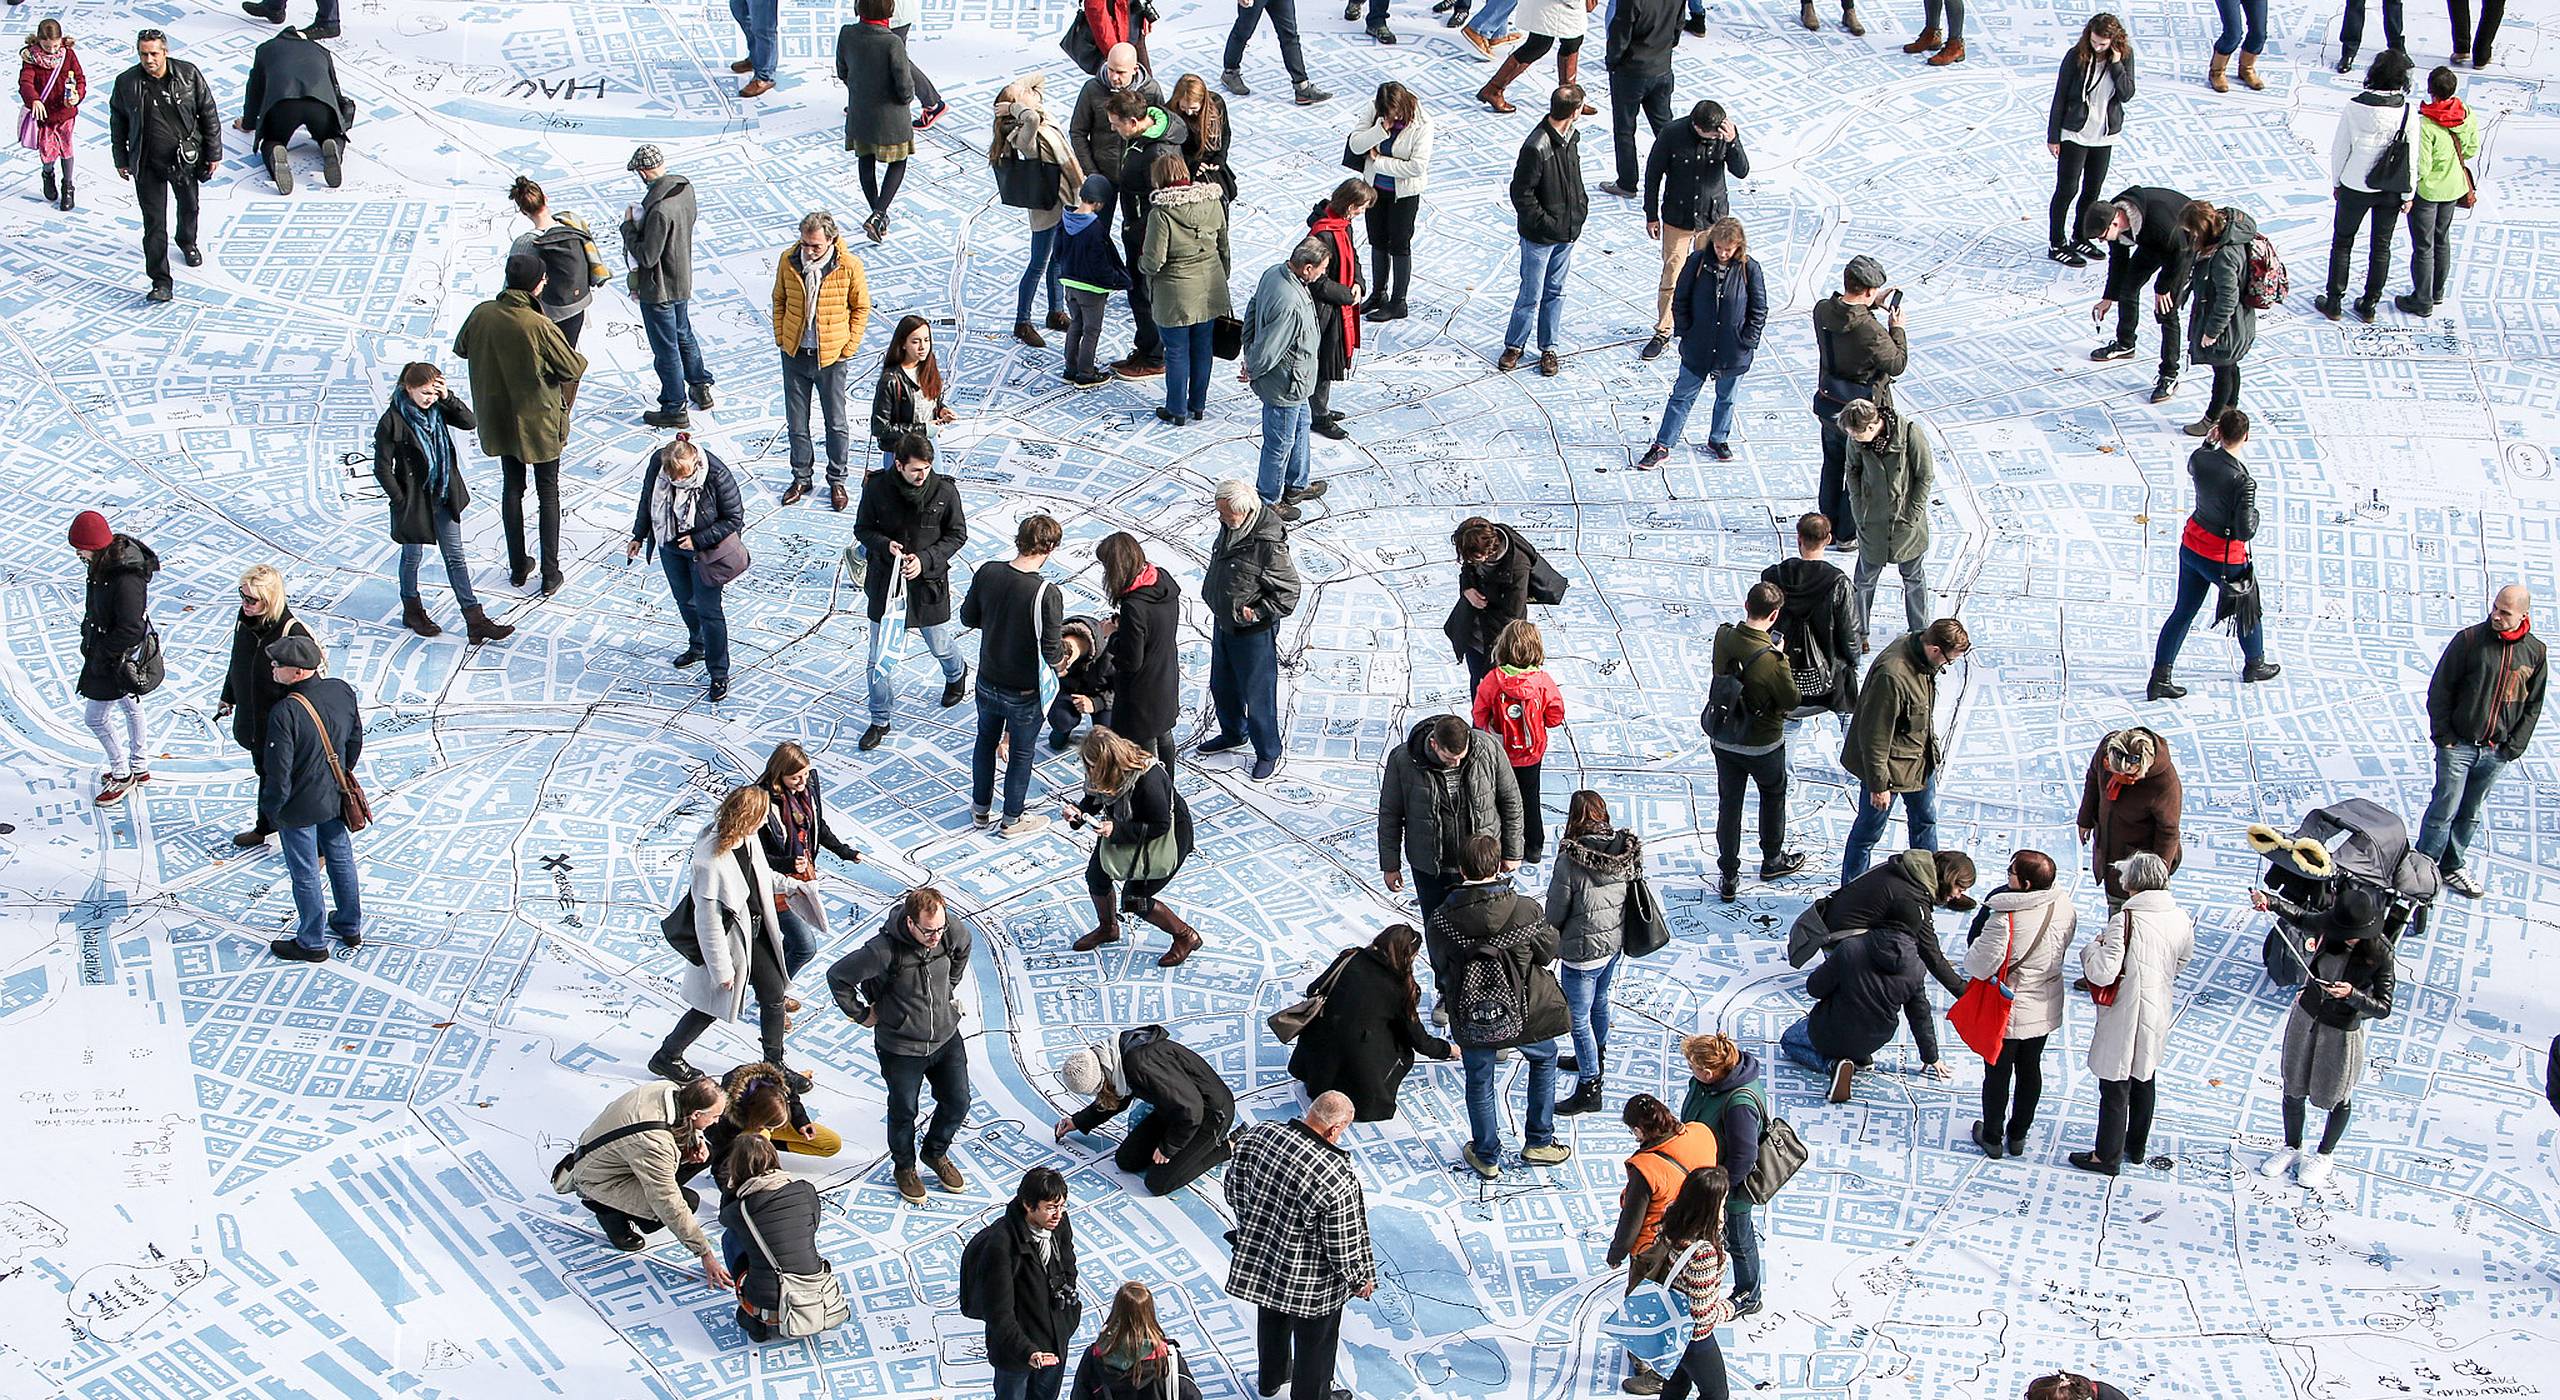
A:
[1250, 568]
[1684, 177]
[718, 512]
[1143, 811]
[1504, 582]
[1890, 895]
[2069, 110]
[1641, 36]
[249, 683]
[1546, 186]
[1719, 311]
[2156, 242]
[932, 529]
[115, 616]
[1859, 989]
[896, 410]
[1493, 922]
[1029, 1306]
[1363, 1043]
[289, 66]
[295, 786]
[777, 837]
[1134, 179]
[1146, 661]
[787, 1217]
[2486, 689]
[1820, 610]
[1177, 1086]
[879, 86]
[400, 465]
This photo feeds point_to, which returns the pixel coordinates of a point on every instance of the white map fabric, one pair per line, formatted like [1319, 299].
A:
[238, 1177]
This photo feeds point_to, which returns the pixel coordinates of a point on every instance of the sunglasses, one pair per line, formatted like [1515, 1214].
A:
[150, 36]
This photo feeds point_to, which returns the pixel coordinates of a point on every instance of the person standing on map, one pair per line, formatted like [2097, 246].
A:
[1684, 197]
[522, 372]
[2222, 327]
[760, 24]
[1249, 584]
[1892, 749]
[2483, 702]
[657, 238]
[1036, 172]
[315, 737]
[2135, 960]
[1018, 1276]
[2349, 978]
[1023, 619]
[1301, 1245]
[2130, 800]
[1754, 753]
[249, 689]
[572, 266]
[115, 620]
[1854, 358]
[1719, 305]
[1440, 787]
[821, 302]
[166, 136]
[1889, 473]
[1549, 207]
[904, 984]
[421, 478]
[1279, 363]
[911, 526]
[879, 86]
[689, 513]
[1492, 948]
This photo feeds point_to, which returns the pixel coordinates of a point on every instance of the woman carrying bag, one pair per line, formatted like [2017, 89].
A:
[1367, 1028]
[1036, 172]
[731, 893]
[770, 1220]
[795, 830]
[1144, 831]
[2132, 968]
[2019, 939]
[249, 688]
[690, 516]
[1688, 1257]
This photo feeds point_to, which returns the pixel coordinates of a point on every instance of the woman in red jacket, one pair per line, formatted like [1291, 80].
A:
[50, 86]
[1517, 702]
[1117, 22]
[1338, 299]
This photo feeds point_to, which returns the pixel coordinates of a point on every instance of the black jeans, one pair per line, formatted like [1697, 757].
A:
[1297, 1352]
[1142, 306]
[771, 983]
[615, 1221]
[2351, 28]
[1833, 498]
[2133, 298]
[1137, 1154]
[1769, 771]
[2354, 208]
[948, 1071]
[2124, 1121]
[2430, 250]
[155, 180]
[2464, 41]
[1533, 823]
[1284, 26]
[546, 491]
[2021, 1061]
[2077, 174]
[1649, 93]
[2226, 390]
[300, 114]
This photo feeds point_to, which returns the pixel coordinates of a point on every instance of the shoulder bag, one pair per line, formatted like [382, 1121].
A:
[353, 809]
[2106, 995]
[809, 1303]
[144, 668]
[1226, 338]
[1782, 1155]
[1154, 860]
[1291, 1021]
[723, 563]
[1048, 683]
[1981, 1015]
[1652, 1322]
[560, 1181]
[2393, 171]
[1646, 929]
[31, 121]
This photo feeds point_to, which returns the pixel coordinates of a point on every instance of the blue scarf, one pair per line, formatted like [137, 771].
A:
[427, 425]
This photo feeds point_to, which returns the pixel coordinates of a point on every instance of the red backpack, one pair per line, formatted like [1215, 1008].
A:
[1519, 730]
[2263, 284]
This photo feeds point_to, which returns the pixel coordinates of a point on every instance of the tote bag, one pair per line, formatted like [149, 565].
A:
[1291, 1021]
[810, 1303]
[1981, 1014]
[1652, 1322]
[889, 634]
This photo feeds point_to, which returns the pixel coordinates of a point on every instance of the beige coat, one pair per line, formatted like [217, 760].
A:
[2147, 944]
[2045, 924]
[725, 917]
[637, 1174]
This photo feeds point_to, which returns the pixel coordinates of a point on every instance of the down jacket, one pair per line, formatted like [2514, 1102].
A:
[1415, 825]
[115, 616]
[844, 304]
[2140, 951]
[1587, 895]
[2219, 315]
[786, 1212]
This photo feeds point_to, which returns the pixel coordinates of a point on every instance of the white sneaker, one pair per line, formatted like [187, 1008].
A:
[1028, 824]
[2461, 883]
[2277, 1162]
[2315, 1171]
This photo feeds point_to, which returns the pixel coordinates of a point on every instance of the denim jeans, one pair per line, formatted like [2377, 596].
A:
[1684, 394]
[1742, 1247]
[802, 376]
[2197, 577]
[2463, 775]
[124, 750]
[1484, 1119]
[1796, 1043]
[306, 850]
[940, 638]
[1043, 267]
[761, 22]
[948, 1070]
[673, 350]
[1542, 271]
[1920, 809]
[1494, 20]
[1029, 1385]
[1701, 1371]
[2233, 13]
[1286, 449]
[1284, 27]
[1650, 95]
[1244, 686]
[706, 621]
[1002, 713]
[457, 570]
[1586, 995]
[1188, 364]
[1917, 607]
[799, 941]
[2430, 250]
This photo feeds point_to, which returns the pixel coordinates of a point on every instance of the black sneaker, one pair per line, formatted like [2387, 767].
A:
[1787, 863]
[291, 950]
[672, 1068]
[320, 31]
[1308, 94]
[2113, 350]
[2163, 387]
[719, 690]
[871, 737]
[159, 292]
[1330, 429]
[953, 692]
[194, 256]
[667, 418]
[272, 14]
[2067, 256]
[686, 657]
[353, 938]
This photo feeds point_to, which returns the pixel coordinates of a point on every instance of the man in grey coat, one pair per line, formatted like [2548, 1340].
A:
[1280, 363]
[1443, 784]
[657, 236]
[1251, 583]
[904, 984]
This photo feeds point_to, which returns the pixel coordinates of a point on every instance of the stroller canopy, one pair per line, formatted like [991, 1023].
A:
[2365, 842]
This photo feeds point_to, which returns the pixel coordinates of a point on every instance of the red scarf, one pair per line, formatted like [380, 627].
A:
[2447, 114]
[1145, 576]
[2522, 627]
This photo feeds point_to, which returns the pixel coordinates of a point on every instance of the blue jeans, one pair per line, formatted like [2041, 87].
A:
[1920, 809]
[1542, 269]
[706, 622]
[802, 376]
[1187, 366]
[1742, 1246]
[1684, 393]
[1284, 27]
[761, 22]
[673, 350]
[1013, 714]
[1029, 1385]
[799, 941]
[2197, 577]
[1244, 686]
[2463, 775]
[1484, 1122]
[1586, 995]
[1796, 1043]
[2233, 13]
[939, 639]
[306, 849]
[1700, 1372]
[1044, 242]
[457, 570]
[1286, 463]
[1494, 20]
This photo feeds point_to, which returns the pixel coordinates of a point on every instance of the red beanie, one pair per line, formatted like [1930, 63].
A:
[89, 531]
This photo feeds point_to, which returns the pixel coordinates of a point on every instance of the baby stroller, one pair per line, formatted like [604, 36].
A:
[2352, 841]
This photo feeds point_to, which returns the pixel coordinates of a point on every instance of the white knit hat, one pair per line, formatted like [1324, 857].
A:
[1081, 1072]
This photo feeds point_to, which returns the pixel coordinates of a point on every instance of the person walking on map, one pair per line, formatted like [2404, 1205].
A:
[166, 136]
[522, 371]
[911, 525]
[1891, 749]
[115, 621]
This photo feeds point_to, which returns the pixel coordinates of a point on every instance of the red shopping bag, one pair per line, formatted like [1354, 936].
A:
[1981, 1015]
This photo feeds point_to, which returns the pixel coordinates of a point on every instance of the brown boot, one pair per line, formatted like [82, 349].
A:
[478, 627]
[1849, 21]
[1186, 939]
[2214, 79]
[2249, 73]
[1930, 41]
[413, 615]
[1106, 924]
[1952, 53]
[1806, 17]
[1491, 93]
[1569, 70]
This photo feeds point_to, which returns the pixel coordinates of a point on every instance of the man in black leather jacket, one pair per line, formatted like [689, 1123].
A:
[166, 135]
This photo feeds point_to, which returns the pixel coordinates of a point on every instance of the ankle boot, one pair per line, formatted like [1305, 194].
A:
[477, 626]
[1806, 17]
[1106, 924]
[67, 201]
[1585, 1097]
[413, 615]
[2257, 671]
[1186, 939]
[2249, 73]
[2162, 688]
[1952, 53]
[1849, 21]
[1930, 41]
[52, 190]
[1491, 94]
[2214, 78]
[1569, 70]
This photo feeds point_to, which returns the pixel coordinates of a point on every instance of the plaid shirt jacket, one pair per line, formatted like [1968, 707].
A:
[1302, 1222]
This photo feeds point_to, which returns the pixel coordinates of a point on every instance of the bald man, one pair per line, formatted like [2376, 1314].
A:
[2482, 703]
[1301, 1245]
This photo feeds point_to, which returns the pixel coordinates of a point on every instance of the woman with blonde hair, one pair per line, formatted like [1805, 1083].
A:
[732, 895]
[1727, 1094]
[249, 686]
[1718, 308]
[1036, 172]
[1130, 1358]
[1145, 830]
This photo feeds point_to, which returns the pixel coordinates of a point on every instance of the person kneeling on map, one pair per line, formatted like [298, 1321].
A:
[1190, 1110]
[631, 1164]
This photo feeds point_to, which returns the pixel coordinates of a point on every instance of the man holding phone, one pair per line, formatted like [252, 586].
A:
[2140, 230]
[1857, 357]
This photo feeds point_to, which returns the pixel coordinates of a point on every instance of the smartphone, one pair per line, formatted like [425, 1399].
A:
[1892, 300]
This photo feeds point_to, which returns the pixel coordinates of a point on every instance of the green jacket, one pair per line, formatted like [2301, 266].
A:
[2441, 152]
[1185, 256]
[518, 364]
[1768, 684]
[1891, 747]
[1889, 490]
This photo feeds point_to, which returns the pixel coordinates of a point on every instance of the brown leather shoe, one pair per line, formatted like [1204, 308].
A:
[947, 1175]
[1952, 53]
[911, 1186]
[1510, 359]
[1058, 321]
[1095, 939]
[742, 65]
[1930, 41]
[837, 497]
[799, 492]
[479, 628]
[758, 88]
[1549, 364]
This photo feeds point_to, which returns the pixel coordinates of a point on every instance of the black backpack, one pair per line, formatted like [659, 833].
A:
[1808, 661]
[1546, 586]
[980, 1263]
[1727, 718]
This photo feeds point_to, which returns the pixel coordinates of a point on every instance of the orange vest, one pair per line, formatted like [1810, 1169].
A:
[1665, 1166]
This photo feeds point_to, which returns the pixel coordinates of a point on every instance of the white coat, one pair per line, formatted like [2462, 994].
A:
[2045, 922]
[2146, 944]
[1561, 19]
[2365, 130]
[1410, 167]
[722, 921]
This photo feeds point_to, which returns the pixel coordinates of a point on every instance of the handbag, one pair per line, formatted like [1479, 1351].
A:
[2392, 171]
[353, 809]
[1226, 338]
[1291, 1021]
[1079, 44]
[1152, 860]
[808, 1303]
[1646, 930]
[679, 930]
[723, 563]
[31, 121]
[1782, 1155]
[2470, 187]
[1652, 1322]
[144, 668]
[1981, 1013]
[1048, 674]
[2106, 995]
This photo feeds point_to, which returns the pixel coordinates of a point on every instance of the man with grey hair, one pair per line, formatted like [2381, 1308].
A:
[2482, 704]
[1280, 331]
[2135, 960]
[1301, 1244]
[1251, 583]
[820, 303]
[657, 236]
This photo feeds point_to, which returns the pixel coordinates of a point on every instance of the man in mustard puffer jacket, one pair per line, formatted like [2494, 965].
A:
[820, 303]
